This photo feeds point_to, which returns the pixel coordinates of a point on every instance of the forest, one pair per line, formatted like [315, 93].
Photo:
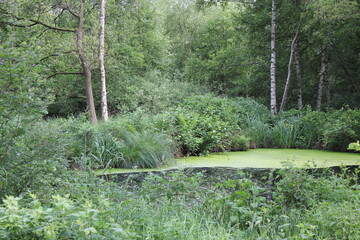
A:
[92, 85]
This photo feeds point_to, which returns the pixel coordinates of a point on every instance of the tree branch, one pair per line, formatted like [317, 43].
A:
[51, 27]
[65, 73]
[36, 22]
[56, 55]
[72, 12]
[248, 64]
[19, 25]
[62, 11]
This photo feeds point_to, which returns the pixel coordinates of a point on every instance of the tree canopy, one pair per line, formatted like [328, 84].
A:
[223, 45]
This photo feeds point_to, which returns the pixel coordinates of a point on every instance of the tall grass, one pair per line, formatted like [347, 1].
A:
[260, 133]
[286, 133]
[128, 149]
[106, 151]
[144, 149]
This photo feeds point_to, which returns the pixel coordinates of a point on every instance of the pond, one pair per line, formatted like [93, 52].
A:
[259, 158]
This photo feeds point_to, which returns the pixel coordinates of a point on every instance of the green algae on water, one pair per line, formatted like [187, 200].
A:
[259, 158]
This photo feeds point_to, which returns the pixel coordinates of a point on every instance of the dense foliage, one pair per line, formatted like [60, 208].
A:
[158, 52]
[296, 206]
[184, 78]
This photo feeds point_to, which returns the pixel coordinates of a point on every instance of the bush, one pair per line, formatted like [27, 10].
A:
[37, 157]
[313, 127]
[200, 134]
[205, 123]
[342, 130]
[252, 110]
[65, 219]
[354, 146]
[239, 142]
[23, 99]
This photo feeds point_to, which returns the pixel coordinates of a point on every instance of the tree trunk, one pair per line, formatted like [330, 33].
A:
[287, 84]
[104, 107]
[327, 84]
[85, 65]
[273, 60]
[322, 75]
[298, 76]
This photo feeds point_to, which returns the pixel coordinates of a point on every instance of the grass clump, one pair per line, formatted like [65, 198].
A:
[123, 148]
[144, 149]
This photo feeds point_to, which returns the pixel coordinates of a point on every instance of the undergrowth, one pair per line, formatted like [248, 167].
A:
[292, 205]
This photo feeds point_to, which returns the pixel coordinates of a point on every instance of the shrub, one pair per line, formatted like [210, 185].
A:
[200, 134]
[300, 189]
[354, 146]
[239, 142]
[313, 127]
[252, 110]
[205, 123]
[37, 157]
[23, 99]
[342, 130]
[65, 219]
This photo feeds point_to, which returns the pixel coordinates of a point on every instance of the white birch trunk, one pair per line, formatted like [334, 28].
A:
[287, 84]
[104, 107]
[322, 76]
[298, 76]
[273, 60]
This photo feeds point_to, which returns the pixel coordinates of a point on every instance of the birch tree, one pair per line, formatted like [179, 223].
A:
[104, 107]
[298, 76]
[294, 54]
[322, 76]
[273, 59]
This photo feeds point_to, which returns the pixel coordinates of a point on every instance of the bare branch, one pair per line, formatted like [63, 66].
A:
[57, 54]
[19, 25]
[65, 73]
[45, 29]
[72, 12]
[62, 11]
[52, 27]
[35, 22]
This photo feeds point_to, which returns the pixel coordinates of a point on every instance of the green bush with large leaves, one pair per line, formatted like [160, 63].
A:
[65, 219]
[208, 123]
